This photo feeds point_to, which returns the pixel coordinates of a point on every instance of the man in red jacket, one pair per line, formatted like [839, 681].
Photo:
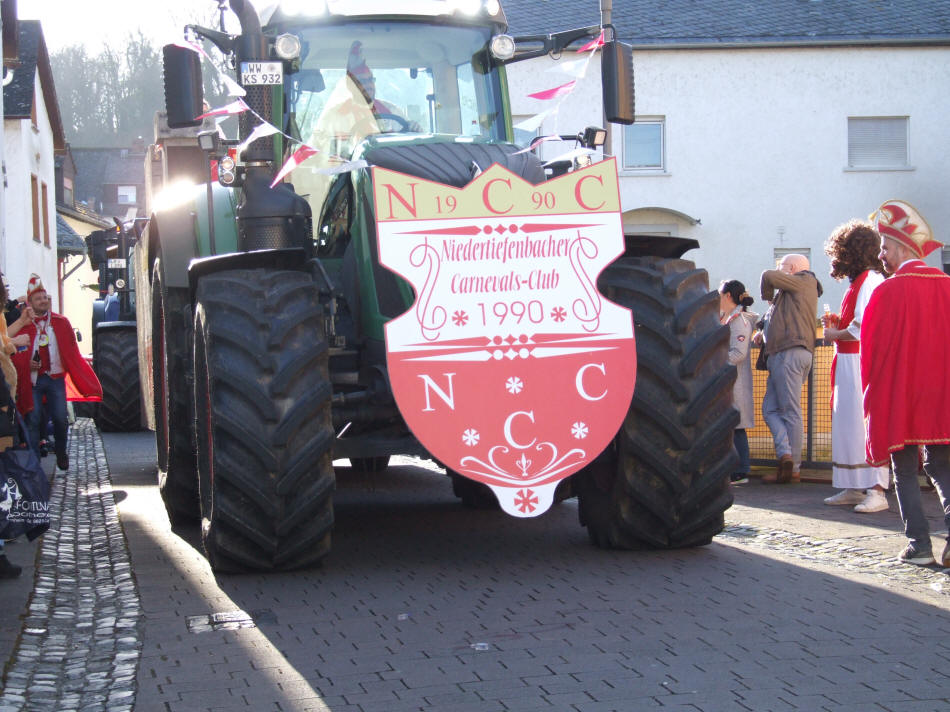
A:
[44, 368]
[905, 349]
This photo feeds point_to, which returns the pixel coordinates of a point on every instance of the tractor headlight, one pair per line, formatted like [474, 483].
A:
[226, 171]
[502, 47]
[287, 46]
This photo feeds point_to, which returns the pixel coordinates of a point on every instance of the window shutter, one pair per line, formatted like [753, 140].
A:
[876, 142]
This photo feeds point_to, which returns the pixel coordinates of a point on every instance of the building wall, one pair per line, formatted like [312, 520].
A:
[756, 145]
[29, 151]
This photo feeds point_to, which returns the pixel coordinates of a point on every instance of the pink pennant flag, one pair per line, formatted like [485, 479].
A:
[235, 107]
[555, 92]
[594, 44]
[296, 158]
[537, 142]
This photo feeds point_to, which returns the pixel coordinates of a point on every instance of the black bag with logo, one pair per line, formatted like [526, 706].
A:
[24, 488]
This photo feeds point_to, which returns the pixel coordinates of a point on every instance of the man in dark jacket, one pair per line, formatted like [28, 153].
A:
[793, 291]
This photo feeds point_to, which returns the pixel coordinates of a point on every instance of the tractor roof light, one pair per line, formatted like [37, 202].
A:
[502, 47]
[467, 7]
[287, 46]
[593, 137]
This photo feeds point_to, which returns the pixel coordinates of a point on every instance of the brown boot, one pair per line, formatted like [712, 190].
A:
[770, 478]
[786, 468]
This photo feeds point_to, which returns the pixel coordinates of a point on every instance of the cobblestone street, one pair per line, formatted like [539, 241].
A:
[424, 605]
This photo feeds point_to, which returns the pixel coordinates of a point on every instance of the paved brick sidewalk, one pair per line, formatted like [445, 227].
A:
[79, 641]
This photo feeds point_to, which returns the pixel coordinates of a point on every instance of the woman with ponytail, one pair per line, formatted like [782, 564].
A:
[734, 303]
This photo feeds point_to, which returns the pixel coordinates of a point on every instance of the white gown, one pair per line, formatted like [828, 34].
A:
[849, 467]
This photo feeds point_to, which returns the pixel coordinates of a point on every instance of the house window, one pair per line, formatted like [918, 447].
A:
[779, 253]
[35, 194]
[127, 194]
[45, 192]
[68, 191]
[877, 142]
[644, 145]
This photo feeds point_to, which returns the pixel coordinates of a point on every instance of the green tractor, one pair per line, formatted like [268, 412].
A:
[262, 309]
[114, 340]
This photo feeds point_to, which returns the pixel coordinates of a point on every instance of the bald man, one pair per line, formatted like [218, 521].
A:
[793, 291]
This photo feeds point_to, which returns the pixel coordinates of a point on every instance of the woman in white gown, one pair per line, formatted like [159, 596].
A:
[853, 249]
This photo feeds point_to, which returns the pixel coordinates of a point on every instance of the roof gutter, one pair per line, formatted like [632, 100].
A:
[639, 44]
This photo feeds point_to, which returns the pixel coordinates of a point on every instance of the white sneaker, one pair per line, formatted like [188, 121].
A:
[846, 496]
[874, 502]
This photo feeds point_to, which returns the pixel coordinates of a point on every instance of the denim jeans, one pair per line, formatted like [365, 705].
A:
[937, 468]
[741, 440]
[54, 389]
[782, 404]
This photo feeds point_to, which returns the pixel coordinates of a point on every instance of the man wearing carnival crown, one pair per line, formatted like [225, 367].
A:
[905, 349]
[52, 364]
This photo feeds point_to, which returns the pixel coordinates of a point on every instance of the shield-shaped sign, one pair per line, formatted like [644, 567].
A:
[510, 368]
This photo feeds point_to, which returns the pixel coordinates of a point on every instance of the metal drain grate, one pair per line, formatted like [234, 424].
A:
[229, 620]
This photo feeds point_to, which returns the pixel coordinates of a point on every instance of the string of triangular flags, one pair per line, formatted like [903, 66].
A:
[576, 68]
[303, 151]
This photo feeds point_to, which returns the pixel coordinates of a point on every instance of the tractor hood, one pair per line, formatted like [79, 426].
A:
[449, 160]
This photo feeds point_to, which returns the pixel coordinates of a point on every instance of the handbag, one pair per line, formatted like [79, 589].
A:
[761, 361]
[24, 490]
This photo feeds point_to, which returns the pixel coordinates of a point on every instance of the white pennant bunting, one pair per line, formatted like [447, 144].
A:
[344, 167]
[259, 131]
[234, 89]
[571, 155]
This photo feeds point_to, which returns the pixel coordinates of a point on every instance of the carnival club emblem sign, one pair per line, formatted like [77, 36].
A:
[510, 368]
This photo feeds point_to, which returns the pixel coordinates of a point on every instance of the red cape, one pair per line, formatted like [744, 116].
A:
[81, 381]
[905, 349]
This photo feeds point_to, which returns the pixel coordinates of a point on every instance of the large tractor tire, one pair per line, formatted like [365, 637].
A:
[115, 361]
[172, 393]
[474, 495]
[664, 481]
[262, 419]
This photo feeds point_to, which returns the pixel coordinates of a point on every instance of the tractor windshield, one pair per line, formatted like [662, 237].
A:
[362, 79]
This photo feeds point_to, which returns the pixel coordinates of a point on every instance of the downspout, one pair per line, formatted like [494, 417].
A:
[606, 11]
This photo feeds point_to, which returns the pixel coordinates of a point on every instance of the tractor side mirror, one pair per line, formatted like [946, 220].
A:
[184, 94]
[78, 335]
[616, 75]
[96, 248]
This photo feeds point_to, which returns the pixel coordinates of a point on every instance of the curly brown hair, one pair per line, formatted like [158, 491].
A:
[854, 248]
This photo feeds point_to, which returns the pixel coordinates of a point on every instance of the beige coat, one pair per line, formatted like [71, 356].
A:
[9, 372]
[740, 340]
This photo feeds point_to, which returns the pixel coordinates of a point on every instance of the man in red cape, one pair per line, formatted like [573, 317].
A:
[49, 368]
[905, 352]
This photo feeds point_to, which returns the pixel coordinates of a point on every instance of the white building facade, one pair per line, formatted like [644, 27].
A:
[30, 137]
[758, 152]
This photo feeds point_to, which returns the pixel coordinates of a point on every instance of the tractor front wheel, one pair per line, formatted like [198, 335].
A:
[262, 417]
[664, 481]
[115, 361]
